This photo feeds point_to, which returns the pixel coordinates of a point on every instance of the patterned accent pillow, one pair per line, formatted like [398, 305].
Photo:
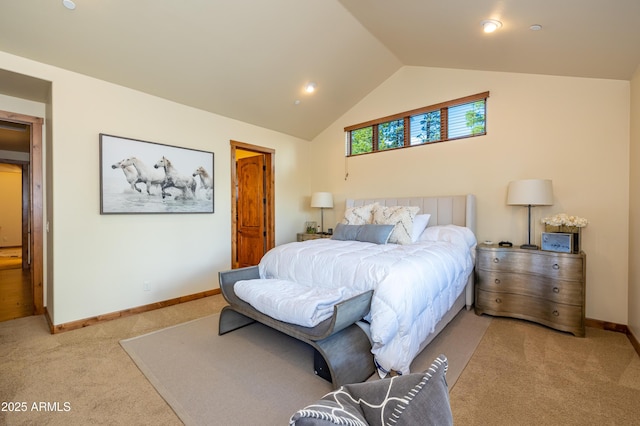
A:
[413, 399]
[400, 216]
[360, 215]
[329, 412]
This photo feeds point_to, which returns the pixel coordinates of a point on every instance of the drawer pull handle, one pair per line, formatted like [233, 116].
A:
[498, 300]
[556, 313]
[556, 290]
[496, 260]
[556, 266]
[497, 281]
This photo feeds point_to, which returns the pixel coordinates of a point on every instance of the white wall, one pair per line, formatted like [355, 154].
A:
[571, 130]
[634, 197]
[99, 262]
[574, 131]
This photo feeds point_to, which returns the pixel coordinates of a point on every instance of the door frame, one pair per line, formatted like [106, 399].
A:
[269, 211]
[35, 210]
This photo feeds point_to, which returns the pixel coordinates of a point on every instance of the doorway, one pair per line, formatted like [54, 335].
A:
[22, 288]
[16, 293]
[252, 203]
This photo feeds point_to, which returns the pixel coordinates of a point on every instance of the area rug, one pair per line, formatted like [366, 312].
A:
[256, 375]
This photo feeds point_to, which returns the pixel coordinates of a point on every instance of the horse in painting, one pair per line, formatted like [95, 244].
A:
[206, 181]
[145, 175]
[173, 178]
[130, 173]
[205, 178]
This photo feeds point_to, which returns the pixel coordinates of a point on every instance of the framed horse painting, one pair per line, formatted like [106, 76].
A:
[147, 177]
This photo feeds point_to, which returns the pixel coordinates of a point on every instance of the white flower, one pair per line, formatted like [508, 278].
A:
[563, 219]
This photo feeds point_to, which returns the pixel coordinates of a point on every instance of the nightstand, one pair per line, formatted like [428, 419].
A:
[540, 286]
[303, 236]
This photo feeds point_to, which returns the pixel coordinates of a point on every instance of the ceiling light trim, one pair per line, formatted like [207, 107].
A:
[311, 87]
[69, 4]
[490, 25]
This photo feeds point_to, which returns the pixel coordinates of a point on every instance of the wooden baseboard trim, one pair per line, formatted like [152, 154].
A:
[634, 341]
[610, 326]
[48, 318]
[74, 325]
[604, 325]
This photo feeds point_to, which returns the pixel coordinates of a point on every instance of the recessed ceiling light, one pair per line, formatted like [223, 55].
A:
[535, 27]
[310, 87]
[296, 102]
[69, 4]
[490, 25]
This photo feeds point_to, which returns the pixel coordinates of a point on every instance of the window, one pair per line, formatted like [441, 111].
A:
[456, 119]
[391, 134]
[424, 128]
[362, 140]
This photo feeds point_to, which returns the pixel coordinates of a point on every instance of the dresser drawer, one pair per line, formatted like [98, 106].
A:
[554, 265]
[568, 292]
[562, 317]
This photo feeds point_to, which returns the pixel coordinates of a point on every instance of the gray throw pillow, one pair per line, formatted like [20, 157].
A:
[377, 234]
[345, 232]
[412, 399]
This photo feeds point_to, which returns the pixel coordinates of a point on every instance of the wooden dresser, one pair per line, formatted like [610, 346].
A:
[540, 286]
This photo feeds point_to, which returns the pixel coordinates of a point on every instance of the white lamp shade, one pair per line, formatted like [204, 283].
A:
[322, 199]
[530, 192]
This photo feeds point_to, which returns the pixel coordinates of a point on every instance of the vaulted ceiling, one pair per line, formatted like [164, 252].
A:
[250, 59]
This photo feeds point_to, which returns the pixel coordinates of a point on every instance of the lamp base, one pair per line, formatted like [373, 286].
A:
[529, 246]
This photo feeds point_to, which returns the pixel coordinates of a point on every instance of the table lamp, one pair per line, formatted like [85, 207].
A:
[530, 192]
[323, 200]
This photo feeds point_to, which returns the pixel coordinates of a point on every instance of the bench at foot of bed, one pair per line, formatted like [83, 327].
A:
[342, 348]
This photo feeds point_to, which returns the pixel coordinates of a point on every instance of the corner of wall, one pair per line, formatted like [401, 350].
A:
[634, 205]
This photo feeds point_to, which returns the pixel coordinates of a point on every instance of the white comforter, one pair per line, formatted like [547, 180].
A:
[291, 302]
[414, 285]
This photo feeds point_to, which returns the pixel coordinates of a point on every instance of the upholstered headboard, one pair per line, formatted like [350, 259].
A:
[457, 210]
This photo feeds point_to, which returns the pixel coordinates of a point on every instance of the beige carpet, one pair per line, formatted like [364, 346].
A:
[256, 375]
[520, 374]
[86, 368]
[526, 374]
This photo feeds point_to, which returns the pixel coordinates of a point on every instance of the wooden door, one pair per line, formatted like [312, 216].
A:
[251, 230]
[35, 237]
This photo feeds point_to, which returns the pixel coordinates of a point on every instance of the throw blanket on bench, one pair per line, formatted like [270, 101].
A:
[291, 302]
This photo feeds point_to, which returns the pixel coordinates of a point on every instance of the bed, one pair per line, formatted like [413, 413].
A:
[387, 317]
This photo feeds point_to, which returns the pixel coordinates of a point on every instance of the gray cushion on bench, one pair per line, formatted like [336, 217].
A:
[412, 399]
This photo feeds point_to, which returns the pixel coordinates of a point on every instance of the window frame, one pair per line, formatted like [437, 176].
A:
[443, 107]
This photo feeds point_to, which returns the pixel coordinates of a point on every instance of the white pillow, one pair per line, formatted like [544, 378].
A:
[400, 216]
[360, 215]
[420, 222]
[450, 233]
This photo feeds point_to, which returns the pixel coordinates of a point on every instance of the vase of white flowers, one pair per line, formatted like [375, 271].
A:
[566, 224]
